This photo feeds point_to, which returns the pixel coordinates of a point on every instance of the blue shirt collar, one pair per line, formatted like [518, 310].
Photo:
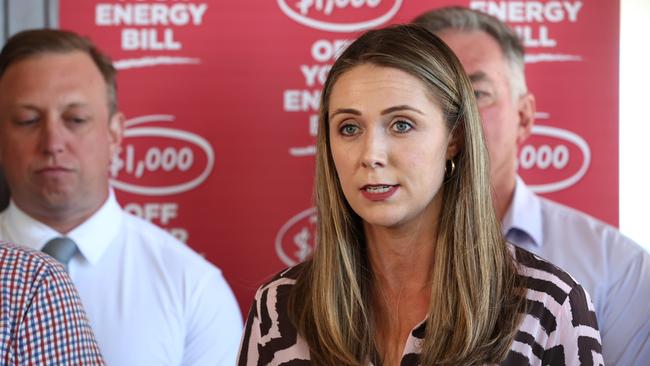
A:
[524, 215]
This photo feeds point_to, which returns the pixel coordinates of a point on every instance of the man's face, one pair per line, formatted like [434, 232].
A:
[507, 118]
[56, 135]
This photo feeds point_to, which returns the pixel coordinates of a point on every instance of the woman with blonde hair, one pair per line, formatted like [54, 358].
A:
[410, 265]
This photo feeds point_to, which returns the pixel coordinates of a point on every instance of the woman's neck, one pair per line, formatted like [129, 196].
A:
[401, 262]
[401, 258]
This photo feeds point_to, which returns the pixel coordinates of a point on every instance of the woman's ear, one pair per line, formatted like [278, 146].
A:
[455, 142]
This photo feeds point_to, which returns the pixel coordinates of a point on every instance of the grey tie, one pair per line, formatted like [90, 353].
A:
[61, 249]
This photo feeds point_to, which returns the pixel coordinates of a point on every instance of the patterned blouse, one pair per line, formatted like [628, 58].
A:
[558, 328]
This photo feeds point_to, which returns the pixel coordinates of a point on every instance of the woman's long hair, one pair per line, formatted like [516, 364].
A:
[475, 300]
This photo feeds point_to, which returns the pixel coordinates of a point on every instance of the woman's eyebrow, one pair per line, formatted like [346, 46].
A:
[401, 108]
[346, 111]
[384, 112]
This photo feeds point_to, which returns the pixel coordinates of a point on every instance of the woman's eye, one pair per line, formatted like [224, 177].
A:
[402, 126]
[349, 130]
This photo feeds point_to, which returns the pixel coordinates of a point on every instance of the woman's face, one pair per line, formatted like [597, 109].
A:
[390, 143]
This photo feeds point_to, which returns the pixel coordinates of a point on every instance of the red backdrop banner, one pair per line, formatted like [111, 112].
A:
[222, 100]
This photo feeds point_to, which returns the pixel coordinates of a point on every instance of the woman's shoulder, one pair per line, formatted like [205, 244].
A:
[286, 277]
[559, 322]
[275, 292]
[543, 277]
[548, 285]
[270, 333]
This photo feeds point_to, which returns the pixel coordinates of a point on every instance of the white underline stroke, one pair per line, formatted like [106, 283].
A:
[550, 57]
[150, 61]
[303, 151]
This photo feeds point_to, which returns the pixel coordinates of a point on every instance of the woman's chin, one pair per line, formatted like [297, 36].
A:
[387, 220]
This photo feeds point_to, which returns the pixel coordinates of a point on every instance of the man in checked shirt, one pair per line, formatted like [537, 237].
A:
[42, 321]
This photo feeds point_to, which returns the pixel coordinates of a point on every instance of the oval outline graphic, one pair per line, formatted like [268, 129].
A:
[567, 136]
[283, 230]
[174, 134]
[338, 27]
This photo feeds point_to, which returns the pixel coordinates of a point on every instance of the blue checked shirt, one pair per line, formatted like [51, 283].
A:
[42, 321]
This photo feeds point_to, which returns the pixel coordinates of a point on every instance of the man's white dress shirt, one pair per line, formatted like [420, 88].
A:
[150, 299]
[611, 267]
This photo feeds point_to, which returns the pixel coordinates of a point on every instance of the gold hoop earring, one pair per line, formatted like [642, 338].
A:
[450, 167]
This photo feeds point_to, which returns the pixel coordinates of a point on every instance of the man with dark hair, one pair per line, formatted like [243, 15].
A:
[613, 269]
[42, 321]
[150, 299]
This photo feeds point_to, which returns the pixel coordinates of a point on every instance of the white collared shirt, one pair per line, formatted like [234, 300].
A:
[611, 267]
[150, 299]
